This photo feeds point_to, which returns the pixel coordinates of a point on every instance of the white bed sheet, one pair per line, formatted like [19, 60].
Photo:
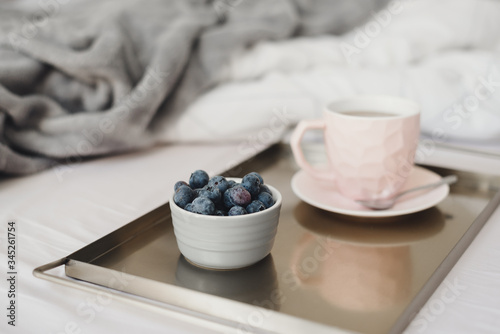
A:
[61, 210]
[56, 217]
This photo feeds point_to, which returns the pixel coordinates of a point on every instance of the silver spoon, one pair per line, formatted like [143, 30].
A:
[387, 203]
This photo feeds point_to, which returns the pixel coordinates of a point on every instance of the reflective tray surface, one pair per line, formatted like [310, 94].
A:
[326, 271]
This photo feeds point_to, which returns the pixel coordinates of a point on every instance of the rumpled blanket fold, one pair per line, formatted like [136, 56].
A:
[96, 77]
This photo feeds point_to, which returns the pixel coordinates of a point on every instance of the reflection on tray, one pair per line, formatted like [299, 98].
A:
[256, 284]
[400, 230]
[359, 266]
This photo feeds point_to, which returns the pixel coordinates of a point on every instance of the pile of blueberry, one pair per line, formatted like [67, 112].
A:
[221, 197]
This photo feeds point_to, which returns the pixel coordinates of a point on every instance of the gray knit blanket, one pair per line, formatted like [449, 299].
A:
[89, 78]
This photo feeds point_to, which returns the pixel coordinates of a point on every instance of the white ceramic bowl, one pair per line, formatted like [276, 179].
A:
[227, 242]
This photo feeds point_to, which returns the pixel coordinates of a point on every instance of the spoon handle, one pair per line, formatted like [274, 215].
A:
[445, 180]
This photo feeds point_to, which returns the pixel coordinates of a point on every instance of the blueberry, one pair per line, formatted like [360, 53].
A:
[255, 206]
[266, 199]
[178, 184]
[231, 183]
[265, 189]
[227, 200]
[220, 212]
[183, 195]
[212, 193]
[198, 179]
[237, 211]
[251, 183]
[258, 175]
[220, 205]
[203, 206]
[189, 207]
[237, 195]
[219, 182]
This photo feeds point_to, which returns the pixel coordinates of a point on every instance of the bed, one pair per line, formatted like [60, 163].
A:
[443, 55]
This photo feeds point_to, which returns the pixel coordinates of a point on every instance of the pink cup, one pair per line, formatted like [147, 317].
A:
[370, 142]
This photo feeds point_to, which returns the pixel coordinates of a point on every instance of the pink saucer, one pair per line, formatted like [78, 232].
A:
[328, 198]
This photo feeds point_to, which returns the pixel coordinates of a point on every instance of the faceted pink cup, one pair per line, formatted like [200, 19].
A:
[370, 142]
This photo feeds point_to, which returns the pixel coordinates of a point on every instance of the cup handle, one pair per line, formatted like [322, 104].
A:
[295, 141]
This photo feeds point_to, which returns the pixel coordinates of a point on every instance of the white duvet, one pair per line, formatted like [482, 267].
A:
[443, 54]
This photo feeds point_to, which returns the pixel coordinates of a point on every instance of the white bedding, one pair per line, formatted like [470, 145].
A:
[443, 54]
[56, 214]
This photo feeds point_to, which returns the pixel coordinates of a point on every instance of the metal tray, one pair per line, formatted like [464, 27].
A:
[326, 272]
